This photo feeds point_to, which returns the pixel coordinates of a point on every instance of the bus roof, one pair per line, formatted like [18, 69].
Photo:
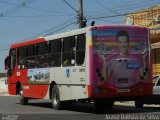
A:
[29, 42]
[70, 33]
[51, 37]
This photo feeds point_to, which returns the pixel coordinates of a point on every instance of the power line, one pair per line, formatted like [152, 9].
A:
[123, 14]
[53, 28]
[61, 28]
[81, 20]
[38, 9]
[45, 32]
[17, 8]
[101, 19]
[5, 49]
[70, 6]
[124, 6]
[99, 3]
[138, 4]
[33, 16]
[25, 2]
[132, 4]
[108, 16]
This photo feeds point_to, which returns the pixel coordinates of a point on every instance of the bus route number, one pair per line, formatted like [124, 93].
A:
[123, 90]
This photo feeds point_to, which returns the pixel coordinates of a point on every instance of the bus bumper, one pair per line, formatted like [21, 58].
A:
[106, 91]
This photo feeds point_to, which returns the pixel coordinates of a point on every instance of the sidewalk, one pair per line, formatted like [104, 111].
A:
[3, 88]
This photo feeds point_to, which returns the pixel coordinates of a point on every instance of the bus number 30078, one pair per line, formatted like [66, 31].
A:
[123, 90]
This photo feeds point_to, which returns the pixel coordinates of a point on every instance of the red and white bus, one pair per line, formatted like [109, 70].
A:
[99, 63]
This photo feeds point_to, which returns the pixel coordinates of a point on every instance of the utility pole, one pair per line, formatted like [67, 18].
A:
[80, 14]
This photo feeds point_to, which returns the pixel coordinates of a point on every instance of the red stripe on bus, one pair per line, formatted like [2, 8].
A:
[30, 42]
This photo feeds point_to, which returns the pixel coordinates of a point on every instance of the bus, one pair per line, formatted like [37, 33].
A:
[101, 64]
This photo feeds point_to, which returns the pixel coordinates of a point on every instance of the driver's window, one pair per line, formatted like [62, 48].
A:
[12, 61]
[13, 58]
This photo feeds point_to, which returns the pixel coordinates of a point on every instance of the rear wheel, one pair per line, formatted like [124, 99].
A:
[56, 103]
[138, 104]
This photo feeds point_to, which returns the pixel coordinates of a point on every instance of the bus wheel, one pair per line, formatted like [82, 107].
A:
[103, 104]
[138, 104]
[56, 103]
[23, 100]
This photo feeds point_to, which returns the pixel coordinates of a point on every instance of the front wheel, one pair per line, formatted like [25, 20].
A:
[23, 100]
[56, 103]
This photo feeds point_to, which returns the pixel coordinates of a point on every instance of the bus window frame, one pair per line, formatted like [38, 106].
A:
[23, 57]
[67, 62]
[41, 57]
[82, 50]
[30, 56]
[55, 62]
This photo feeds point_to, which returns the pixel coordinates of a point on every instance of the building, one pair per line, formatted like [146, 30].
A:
[3, 75]
[149, 18]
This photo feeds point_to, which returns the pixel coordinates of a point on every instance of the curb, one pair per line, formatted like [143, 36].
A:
[4, 94]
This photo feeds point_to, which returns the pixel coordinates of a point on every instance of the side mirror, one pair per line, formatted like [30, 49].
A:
[6, 62]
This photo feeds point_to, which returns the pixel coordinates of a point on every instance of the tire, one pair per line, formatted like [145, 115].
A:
[23, 100]
[103, 104]
[56, 103]
[138, 104]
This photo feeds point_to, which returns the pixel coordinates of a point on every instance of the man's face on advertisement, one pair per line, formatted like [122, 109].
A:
[123, 44]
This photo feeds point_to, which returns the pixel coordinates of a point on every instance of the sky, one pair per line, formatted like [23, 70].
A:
[22, 20]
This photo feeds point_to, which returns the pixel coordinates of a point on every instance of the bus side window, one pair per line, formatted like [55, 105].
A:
[80, 51]
[21, 57]
[55, 47]
[41, 55]
[30, 56]
[68, 57]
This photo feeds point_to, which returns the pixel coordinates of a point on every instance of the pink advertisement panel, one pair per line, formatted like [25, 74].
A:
[120, 56]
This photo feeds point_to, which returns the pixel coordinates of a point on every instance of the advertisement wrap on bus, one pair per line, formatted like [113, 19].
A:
[121, 63]
[102, 64]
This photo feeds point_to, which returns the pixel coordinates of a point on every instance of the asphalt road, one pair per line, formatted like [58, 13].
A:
[42, 110]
